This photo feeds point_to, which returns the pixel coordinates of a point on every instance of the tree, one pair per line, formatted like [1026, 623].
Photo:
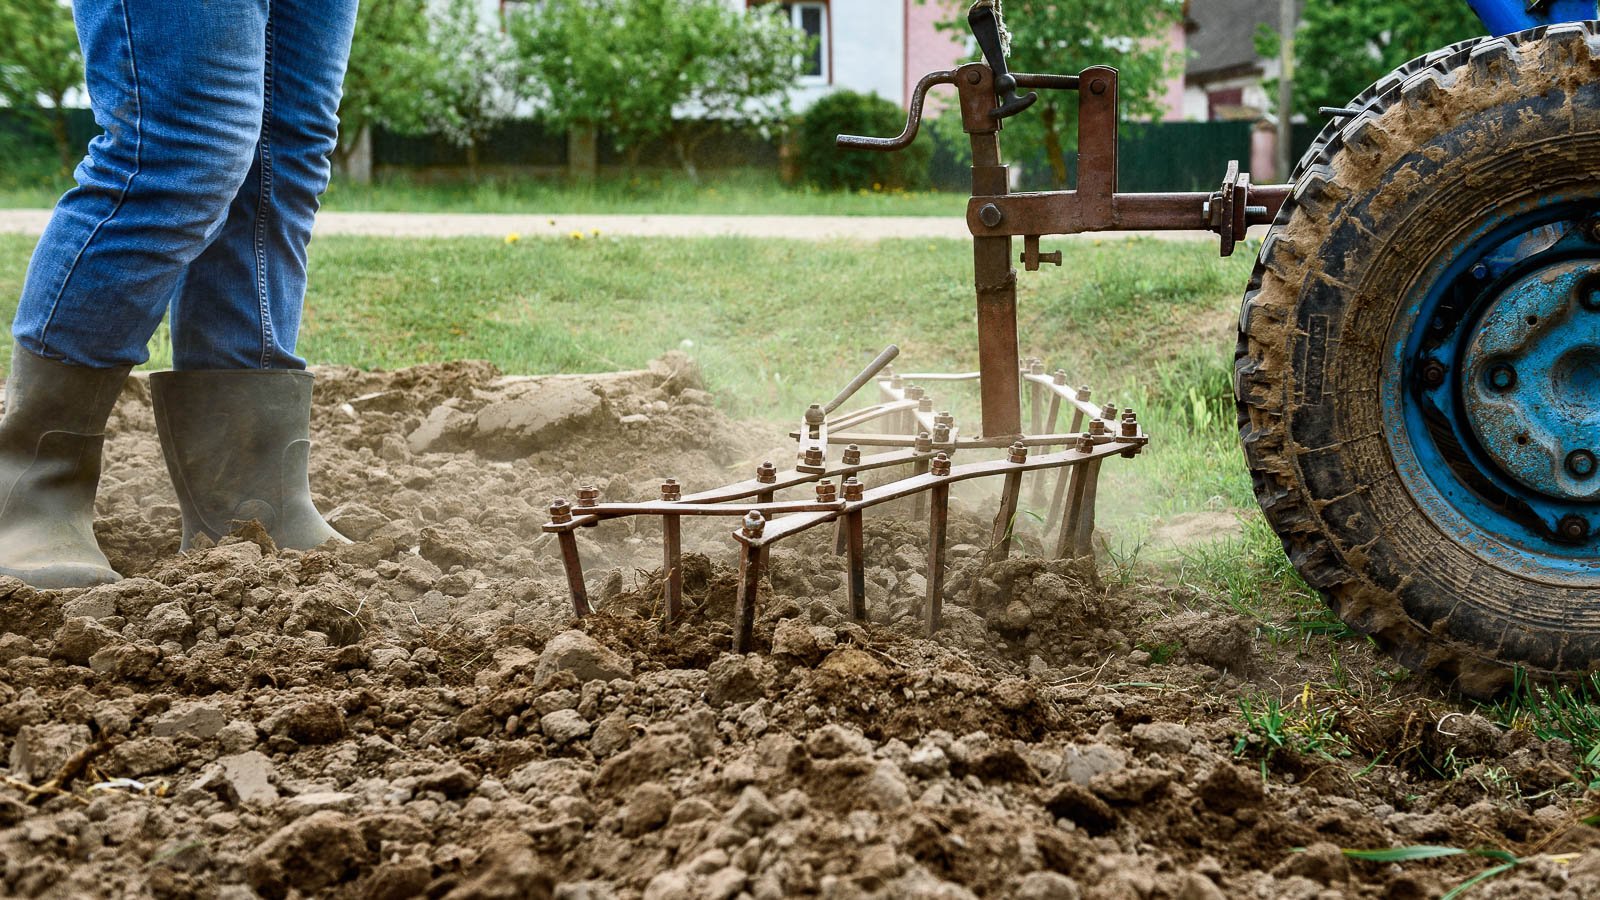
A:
[1342, 47]
[388, 61]
[633, 67]
[40, 64]
[1068, 36]
[471, 87]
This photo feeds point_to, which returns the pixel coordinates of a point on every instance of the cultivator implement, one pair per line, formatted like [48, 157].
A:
[918, 443]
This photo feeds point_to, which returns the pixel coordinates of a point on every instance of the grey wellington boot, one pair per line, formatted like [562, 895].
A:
[238, 447]
[50, 442]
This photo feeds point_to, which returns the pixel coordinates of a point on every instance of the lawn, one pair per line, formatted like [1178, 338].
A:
[737, 192]
[779, 324]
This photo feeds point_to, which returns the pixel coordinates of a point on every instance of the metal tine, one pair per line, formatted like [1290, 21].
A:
[1064, 474]
[852, 457]
[1051, 417]
[1068, 543]
[672, 551]
[938, 520]
[857, 552]
[1085, 529]
[750, 558]
[561, 513]
[1000, 548]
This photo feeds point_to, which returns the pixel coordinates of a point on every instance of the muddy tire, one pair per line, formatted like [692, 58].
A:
[1468, 178]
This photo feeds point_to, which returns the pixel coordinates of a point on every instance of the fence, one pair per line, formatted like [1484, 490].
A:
[1160, 156]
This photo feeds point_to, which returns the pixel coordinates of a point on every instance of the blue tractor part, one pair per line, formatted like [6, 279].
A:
[1504, 17]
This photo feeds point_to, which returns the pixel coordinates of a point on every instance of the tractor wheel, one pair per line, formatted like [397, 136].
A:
[1418, 374]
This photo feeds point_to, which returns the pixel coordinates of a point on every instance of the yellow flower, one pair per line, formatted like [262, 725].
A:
[513, 237]
[576, 235]
[595, 232]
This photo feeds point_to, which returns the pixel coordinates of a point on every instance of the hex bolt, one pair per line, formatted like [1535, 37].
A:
[1085, 444]
[1036, 366]
[560, 511]
[914, 392]
[1019, 453]
[853, 489]
[1098, 86]
[1108, 412]
[1433, 373]
[767, 473]
[1059, 376]
[924, 442]
[1573, 527]
[974, 76]
[1097, 426]
[896, 382]
[945, 418]
[754, 524]
[941, 433]
[925, 404]
[826, 492]
[1130, 427]
[1581, 463]
[990, 215]
[588, 495]
[1502, 377]
[670, 491]
[813, 456]
[852, 455]
[941, 464]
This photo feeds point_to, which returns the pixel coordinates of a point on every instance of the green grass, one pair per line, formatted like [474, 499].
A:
[735, 192]
[779, 324]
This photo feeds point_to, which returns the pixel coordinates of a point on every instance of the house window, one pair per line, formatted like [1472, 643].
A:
[811, 18]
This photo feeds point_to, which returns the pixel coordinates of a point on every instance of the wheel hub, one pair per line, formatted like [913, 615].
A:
[1531, 380]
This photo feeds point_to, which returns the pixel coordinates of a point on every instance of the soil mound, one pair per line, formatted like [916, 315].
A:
[415, 714]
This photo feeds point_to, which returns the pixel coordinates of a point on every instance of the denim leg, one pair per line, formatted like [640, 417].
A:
[176, 86]
[240, 304]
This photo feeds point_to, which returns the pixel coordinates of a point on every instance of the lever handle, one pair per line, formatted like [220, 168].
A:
[913, 119]
[856, 383]
[985, 27]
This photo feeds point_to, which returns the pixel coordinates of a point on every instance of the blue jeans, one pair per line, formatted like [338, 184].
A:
[219, 119]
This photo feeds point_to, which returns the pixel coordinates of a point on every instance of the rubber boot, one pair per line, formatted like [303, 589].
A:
[50, 441]
[238, 447]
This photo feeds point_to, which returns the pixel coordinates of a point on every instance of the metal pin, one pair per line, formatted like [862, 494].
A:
[560, 514]
[855, 546]
[1004, 523]
[672, 551]
[938, 520]
[749, 581]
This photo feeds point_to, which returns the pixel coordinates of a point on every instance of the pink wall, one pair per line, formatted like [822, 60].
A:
[928, 48]
[1177, 39]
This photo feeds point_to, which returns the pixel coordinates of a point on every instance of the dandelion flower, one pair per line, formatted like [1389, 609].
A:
[513, 237]
[594, 232]
[576, 235]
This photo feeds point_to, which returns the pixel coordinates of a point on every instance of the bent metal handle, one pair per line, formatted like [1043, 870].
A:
[913, 119]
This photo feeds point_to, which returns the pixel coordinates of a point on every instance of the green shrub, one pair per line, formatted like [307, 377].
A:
[846, 112]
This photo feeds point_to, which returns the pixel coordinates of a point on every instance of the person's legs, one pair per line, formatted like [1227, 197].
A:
[240, 304]
[234, 415]
[177, 86]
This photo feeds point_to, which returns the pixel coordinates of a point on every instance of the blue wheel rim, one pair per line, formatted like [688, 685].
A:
[1465, 441]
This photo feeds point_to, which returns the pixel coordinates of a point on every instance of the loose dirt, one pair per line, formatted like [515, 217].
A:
[416, 713]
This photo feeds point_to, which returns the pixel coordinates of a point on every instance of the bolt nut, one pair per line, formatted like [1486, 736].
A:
[1019, 453]
[990, 215]
[670, 489]
[1098, 86]
[1059, 376]
[1573, 528]
[925, 404]
[1130, 427]
[1502, 377]
[1109, 411]
[1097, 426]
[826, 492]
[1036, 366]
[813, 456]
[1085, 444]
[941, 433]
[767, 473]
[941, 464]
[974, 76]
[944, 418]
[1581, 463]
[560, 511]
[914, 392]
[1433, 373]
[754, 524]
[1083, 393]
[588, 495]
[852, 455]
[924, 442]
[853, 489]
[1480, 271]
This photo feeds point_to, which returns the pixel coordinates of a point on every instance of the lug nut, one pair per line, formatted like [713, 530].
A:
[1573, 528]
[670, 490]
[588, 495]
[941, 464]
[1502, 377]
[852, 455]
[852, 489]
[754, 524]
[1581, 463]
[1433, 373]
[560, 511]
[1019, 453]
[767, 473]
[826, 492]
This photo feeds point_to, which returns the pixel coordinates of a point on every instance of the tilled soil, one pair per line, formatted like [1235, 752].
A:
[416, 713]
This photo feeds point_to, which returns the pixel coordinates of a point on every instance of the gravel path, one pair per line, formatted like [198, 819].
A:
[391, 224]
